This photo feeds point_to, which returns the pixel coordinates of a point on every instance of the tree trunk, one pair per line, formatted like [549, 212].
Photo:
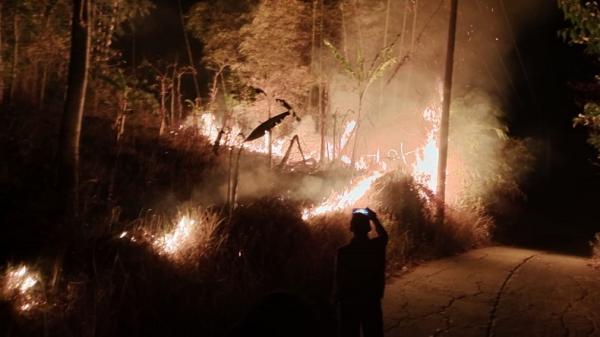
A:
[313, 37]
[188, 48]
[163, 105]
[44, 81]
[411, 50]
[236, 180]
[173, 98]
[15, 58]
[357, 129]
[400, 88]
[42, 93]
[32, 85]
[225, 106]
[178, 93]
[214, 90]
[320, 105]
[70, 130]
[445, 121]
[385, 42]
[334, 137]
[270, 133]
[1, 61]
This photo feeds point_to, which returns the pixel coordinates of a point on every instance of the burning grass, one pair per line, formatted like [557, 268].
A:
[198, 270]
[22, 286]
[408, 208]
[182, 240]
[337, 202]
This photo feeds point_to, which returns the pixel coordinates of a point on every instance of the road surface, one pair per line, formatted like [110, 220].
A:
[496, 291]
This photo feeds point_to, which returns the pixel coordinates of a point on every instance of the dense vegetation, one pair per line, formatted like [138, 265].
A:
[149, 178]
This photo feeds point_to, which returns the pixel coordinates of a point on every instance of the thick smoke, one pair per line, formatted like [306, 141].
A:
[393, 123]
[484, 69]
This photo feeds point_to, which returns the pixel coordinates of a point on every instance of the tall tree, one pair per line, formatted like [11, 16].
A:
[70, 131]
[15, 56]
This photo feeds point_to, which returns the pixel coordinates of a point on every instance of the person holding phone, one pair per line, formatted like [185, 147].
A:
[360, 277]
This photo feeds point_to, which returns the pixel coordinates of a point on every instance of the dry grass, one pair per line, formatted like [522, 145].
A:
[163, 284]
[407, 207]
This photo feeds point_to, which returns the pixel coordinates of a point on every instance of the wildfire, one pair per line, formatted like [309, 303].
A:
[20, 285]
[188, 238]
[178, 239]
[209, 127]
[338, 202]
[426, 165]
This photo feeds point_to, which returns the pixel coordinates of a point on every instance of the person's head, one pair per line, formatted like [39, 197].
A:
[360, 225]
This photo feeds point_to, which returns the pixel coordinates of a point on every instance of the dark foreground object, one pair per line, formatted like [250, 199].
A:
[277, 314]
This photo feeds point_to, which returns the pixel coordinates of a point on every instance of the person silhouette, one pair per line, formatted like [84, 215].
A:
[360, 277]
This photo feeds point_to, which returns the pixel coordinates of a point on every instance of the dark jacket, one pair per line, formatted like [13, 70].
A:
[360, 270]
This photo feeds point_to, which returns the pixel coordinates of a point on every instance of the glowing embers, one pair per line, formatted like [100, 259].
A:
[23, 287]
[340, 201]
[426, 164]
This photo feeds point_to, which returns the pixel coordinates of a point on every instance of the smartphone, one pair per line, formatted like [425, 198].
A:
[362, 211]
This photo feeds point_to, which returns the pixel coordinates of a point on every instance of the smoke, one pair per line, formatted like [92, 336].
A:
[485, 68]
[393, 120]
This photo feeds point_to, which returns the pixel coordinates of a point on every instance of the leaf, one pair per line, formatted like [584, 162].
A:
[341, 59]
[378, 72]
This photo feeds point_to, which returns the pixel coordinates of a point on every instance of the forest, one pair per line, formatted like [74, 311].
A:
[168, 164]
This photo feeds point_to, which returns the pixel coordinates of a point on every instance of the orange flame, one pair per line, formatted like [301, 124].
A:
[178, 239]
[19, 285]
[338, 202]
[426, 165]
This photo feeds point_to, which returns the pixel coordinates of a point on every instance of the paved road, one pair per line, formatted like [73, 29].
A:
[497, 291]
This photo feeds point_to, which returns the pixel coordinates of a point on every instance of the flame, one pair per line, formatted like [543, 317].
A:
[208, 126]
[178, 239]
[19, 285]
[187, 240]
[426, 165]
[337, 202]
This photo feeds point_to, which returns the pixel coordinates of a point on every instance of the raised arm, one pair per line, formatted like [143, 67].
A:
[381, 232]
